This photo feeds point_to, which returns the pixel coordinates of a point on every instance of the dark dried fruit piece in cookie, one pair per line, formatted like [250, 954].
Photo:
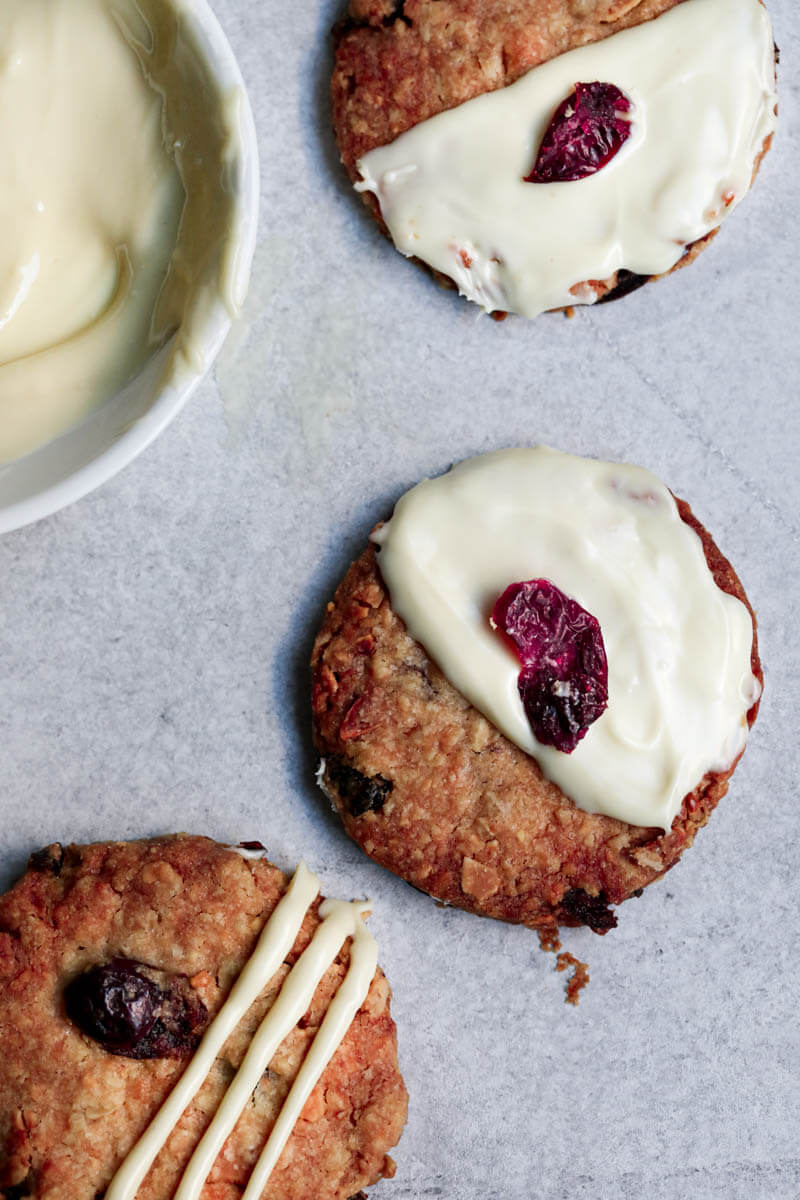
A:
[19, 1191]
[132, 1009]
[593, 911]
[627, 282]
[49, 858]
[360, 793]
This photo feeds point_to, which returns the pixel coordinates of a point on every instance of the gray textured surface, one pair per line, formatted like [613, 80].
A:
[154, 641]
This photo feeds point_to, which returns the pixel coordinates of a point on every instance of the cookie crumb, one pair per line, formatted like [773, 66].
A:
[549, 940]
[579, 978]
[551, 944]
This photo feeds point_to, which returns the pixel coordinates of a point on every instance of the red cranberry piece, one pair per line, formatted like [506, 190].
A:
[135, 1010]
[563, 683]
[587, 130]
[114, 1004]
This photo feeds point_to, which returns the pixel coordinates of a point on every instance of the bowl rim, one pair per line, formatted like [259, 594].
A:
[221, 60]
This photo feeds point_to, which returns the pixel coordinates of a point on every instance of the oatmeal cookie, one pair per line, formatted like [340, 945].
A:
[93, 938]
[399, 63]
[430, 788]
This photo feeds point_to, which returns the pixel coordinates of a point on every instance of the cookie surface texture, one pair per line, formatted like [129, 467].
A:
[429, 788]
[398, 65]
[192, 911]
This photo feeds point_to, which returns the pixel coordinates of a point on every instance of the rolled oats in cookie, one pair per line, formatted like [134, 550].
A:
[531, 691]
[178, 1018]
[539, 154]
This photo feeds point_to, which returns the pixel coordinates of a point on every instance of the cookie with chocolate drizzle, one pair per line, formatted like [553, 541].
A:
[116, 961]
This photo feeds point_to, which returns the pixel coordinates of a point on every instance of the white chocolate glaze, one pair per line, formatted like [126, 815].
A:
[451, 190]
[610, 536]
[340, 920]
[115, 205]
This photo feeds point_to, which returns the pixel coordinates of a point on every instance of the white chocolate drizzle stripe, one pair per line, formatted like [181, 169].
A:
[342, 1010]
[275, 942]
[293, 1000]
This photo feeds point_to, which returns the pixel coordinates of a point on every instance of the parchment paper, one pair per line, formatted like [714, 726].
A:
[154, 641]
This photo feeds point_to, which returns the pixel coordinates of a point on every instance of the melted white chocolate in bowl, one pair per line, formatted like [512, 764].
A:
[340, 920]
[116, 209]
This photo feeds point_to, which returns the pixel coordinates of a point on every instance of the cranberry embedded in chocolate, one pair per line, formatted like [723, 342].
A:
[114, 1004]
[563, 683]
[135, 1010]
[587, 130]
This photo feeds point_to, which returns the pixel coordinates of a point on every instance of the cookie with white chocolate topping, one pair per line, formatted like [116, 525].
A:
[115, 959]
[446, 111]
[547, 822]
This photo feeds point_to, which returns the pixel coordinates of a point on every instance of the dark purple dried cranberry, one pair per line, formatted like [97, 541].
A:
[627, 282]
[134, 1010]
[563, 683]
[589, 910]
[48, 860]
[587, 130]
[19, 1191]
[114, 1004]
[360, 793]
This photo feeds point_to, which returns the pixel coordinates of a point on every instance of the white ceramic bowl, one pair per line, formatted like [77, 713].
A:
[85, 457]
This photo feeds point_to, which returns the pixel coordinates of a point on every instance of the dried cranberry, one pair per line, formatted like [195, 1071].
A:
[49, 860]
[134, 1010]
[587, 130]
[360, 793]
[114, 1004]
[588, 910]
[627, 282]
[564, 678]
[19, 1191]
